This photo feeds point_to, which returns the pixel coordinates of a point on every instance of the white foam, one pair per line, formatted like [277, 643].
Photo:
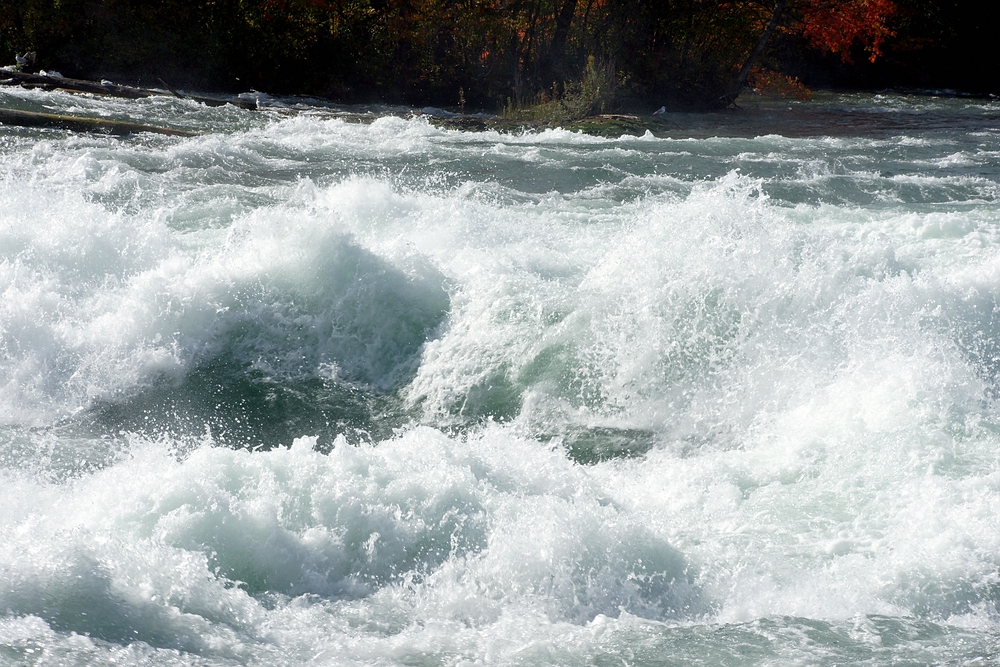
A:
[805, 346]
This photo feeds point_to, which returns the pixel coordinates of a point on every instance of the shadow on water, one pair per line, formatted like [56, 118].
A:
[242, 407]
[597, 444]
[499, 398]
[556, 371]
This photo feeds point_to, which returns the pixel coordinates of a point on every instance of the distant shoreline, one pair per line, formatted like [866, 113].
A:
[755, 115]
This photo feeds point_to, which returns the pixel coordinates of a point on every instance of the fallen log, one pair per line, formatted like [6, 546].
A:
[81, 124]
[13, 78]
[75, 85]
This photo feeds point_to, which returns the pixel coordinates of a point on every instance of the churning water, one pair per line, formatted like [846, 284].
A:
[302, 390]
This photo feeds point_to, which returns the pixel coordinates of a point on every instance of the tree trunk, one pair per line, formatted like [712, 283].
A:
[732, 92]
[80, 124]
[8, 78]
[553, 60]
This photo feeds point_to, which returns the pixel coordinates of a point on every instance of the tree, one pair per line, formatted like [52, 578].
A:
[832, 26]
[690, 52]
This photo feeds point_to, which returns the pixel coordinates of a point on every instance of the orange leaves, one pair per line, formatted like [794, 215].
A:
[834, 26]
[769, 83]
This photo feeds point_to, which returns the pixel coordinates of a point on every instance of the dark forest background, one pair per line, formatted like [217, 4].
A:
[488, 54]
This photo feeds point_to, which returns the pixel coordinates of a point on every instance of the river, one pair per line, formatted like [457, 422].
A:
[304, 390]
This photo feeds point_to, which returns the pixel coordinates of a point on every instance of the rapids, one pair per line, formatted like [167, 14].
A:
[304, 390]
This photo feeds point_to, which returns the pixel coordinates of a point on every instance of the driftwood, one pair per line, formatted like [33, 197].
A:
[80, 124]
[13, 78]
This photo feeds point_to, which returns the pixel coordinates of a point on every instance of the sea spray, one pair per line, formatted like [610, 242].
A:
[304, 390]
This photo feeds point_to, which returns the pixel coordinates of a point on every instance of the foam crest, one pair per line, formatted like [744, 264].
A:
[550, 398]
[177, 551]
[98, 303]
[681, 319]
[482, 545]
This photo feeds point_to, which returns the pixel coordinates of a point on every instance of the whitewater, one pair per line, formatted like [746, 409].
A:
[303, 390]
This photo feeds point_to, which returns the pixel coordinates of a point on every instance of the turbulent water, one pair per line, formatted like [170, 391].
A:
[304, 390]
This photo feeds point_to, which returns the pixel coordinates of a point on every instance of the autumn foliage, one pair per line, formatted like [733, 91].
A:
[835, 26]
[420, 51]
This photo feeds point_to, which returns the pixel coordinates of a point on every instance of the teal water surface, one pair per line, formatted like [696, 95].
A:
[308, 390]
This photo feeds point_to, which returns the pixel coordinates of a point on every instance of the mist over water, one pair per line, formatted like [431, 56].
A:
[303, 390]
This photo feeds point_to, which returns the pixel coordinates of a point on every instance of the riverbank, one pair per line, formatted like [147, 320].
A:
[827, 114]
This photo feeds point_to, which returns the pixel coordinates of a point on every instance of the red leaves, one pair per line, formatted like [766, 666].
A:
[494, 49]
[834, 26]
